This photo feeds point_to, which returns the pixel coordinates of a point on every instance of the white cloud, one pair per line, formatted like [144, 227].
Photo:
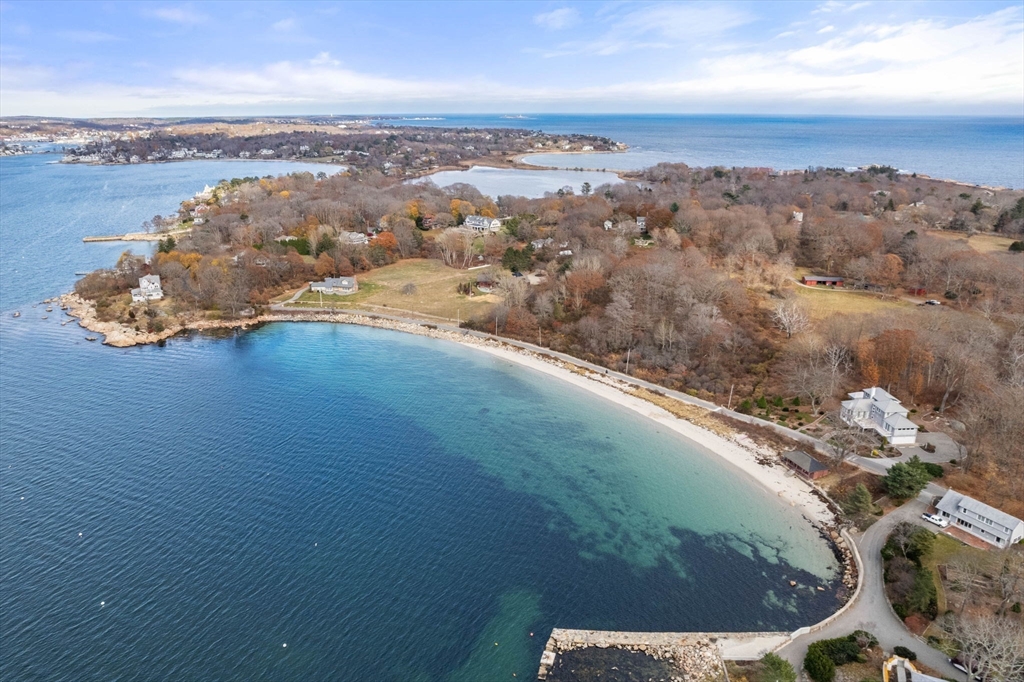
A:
[178, 15]
[86, 36]
[656, 27]
[558, 19]
[826, 29]
[285, 25]
[922, 66]
[834, 6]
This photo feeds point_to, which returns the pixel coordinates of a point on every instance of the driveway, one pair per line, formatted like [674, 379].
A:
[871, 611]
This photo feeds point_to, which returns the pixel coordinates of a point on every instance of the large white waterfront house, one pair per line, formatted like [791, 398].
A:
[481, 223]
[148, 290]
[875, 409]
[977, 518]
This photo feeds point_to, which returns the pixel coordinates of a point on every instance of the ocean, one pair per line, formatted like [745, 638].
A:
[982, 150]
[320, 502]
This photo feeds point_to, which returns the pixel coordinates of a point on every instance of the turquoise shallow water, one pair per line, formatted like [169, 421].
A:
[389, 506]
[386, 505]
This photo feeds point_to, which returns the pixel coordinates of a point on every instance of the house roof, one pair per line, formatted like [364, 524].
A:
[339, 282]
[899, 421]
[479, 221]
[824, 278]
[804, 461]
[878, 394]
[952, 500]
[151, 280]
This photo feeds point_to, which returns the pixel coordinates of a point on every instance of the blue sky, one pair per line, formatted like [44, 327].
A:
[243, 58]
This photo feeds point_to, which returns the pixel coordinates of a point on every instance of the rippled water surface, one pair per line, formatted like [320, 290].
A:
[985, 150]
[390, 507]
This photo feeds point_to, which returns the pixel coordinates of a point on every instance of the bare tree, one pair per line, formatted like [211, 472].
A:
[790, 317]
[992, 646]
[843, 440]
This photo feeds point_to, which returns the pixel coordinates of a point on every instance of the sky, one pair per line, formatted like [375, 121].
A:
[91, 59]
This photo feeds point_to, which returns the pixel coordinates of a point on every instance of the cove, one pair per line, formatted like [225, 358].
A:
[389, 506]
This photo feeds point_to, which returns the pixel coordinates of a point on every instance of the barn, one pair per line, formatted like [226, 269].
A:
[822, 280]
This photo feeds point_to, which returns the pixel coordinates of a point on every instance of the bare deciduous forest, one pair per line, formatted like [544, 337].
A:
[693, 274]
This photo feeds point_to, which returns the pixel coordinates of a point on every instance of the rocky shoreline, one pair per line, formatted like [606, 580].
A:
[694, 656]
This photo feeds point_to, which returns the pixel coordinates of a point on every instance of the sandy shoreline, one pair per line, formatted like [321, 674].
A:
[739, 451]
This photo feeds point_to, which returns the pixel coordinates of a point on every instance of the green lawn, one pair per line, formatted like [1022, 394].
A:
[435, 294]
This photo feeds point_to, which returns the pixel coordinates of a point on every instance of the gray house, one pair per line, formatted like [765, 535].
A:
[977, 518]
[336, 285]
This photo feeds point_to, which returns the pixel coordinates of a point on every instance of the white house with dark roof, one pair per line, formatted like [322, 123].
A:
[977, 518]
[877, 410]
[148, 290]
[481, 223]
[336, 285]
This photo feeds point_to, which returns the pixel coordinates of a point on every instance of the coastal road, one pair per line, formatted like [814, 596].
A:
[871, 611]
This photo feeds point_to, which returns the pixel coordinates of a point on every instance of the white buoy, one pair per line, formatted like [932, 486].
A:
[79, 535]
[285, 645]
[103, 603]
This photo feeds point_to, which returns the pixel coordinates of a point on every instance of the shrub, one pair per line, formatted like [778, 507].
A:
[776, 669]
[819, 666]
[1016, 607]
[777, 402]
[864, 639]
[905, 481]
[858, 501]
[904, 652]
[762, 403]
[841, 650]
[745, 407]
[1017, 246]
[796, 401]
[934, 470]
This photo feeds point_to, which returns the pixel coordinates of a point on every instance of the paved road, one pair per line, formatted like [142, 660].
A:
[871, 611]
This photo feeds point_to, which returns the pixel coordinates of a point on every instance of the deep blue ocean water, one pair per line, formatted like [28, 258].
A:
[387, 506]
[979, 150]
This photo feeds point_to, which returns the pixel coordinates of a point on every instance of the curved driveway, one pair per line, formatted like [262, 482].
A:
[871, 611]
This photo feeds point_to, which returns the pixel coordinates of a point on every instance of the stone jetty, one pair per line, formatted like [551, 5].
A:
[695, 656]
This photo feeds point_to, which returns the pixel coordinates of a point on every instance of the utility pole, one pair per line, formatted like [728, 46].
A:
[628, 351]
[730, 397]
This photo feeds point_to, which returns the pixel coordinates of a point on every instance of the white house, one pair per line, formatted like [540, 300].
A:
[353, 238]
[977, 518]
[336, 285]
[148, 290]
[481, 223]
[874, 408]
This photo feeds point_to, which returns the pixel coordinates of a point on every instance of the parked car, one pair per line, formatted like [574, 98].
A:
[958, 663]
[936, 519]
[932, 302]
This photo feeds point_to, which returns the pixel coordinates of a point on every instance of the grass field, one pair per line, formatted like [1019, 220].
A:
[822, 303]
[983, 243]
[380, 291]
